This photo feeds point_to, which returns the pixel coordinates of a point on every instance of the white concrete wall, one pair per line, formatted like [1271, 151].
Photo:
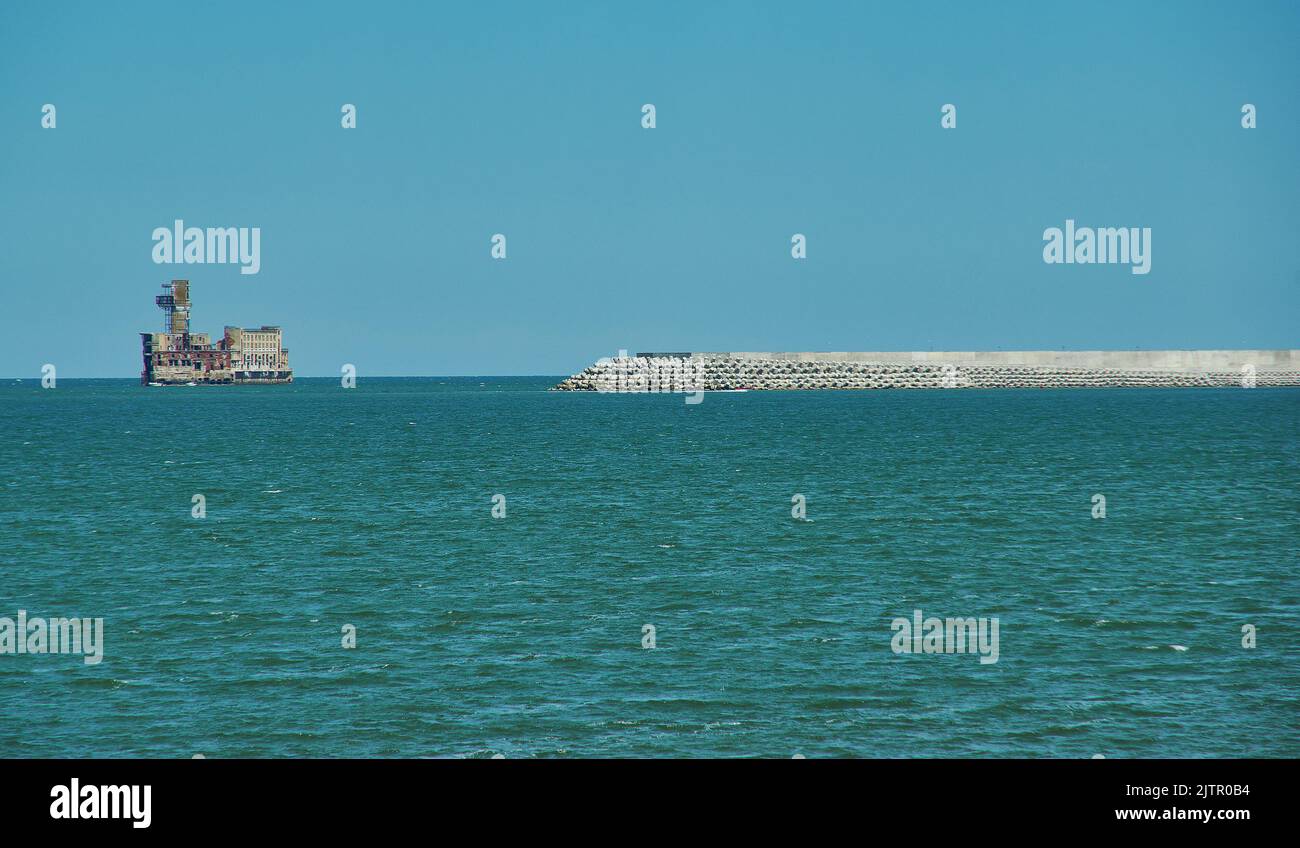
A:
[1154, 360]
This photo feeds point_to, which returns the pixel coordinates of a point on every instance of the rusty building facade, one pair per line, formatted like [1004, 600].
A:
[177, 356]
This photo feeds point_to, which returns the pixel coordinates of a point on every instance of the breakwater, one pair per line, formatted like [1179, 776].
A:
[691, 371]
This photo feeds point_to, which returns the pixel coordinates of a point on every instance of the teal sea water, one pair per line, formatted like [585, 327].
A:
[523, 635]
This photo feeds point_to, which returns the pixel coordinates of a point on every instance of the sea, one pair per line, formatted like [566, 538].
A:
[526, 573]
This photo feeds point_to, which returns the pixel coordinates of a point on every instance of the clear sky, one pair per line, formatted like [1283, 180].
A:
[525, 119]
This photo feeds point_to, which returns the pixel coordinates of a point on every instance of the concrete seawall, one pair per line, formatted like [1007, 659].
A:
[714, 371]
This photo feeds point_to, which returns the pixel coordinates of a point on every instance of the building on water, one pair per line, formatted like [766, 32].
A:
[177, 356]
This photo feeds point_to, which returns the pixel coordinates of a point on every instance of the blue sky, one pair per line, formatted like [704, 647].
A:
[524, 119]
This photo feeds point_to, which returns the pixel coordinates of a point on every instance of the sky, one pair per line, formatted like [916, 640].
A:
[525, 119]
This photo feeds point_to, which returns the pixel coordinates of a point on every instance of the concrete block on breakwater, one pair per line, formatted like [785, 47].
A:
[718, 371]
